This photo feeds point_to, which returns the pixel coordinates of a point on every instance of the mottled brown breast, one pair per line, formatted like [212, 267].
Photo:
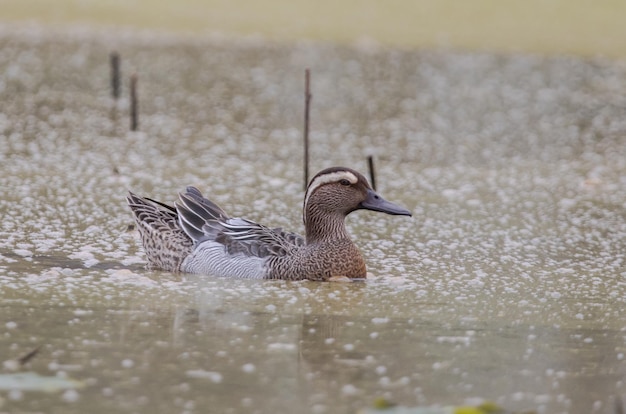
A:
[320, 261]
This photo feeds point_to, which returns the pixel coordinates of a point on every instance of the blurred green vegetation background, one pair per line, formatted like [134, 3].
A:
[579, 27]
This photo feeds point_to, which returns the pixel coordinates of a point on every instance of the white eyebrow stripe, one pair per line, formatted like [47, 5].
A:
[329, 178]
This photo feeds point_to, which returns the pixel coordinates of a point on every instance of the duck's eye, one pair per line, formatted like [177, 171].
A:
[344, 182]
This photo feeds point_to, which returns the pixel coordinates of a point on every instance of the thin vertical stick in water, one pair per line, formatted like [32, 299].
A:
[134, 103]
[307, 104]
[370, 164]
[619, 405]
[115, 75]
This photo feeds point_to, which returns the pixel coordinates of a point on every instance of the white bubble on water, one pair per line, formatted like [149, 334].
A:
[248, 368]
[15, 395]
[349, 389]
[213, 376]
[23, 252]
[379, 321]
[70, 396]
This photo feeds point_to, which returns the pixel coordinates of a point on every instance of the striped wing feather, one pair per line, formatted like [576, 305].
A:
[204, 220]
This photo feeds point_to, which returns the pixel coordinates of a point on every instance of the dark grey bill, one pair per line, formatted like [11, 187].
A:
[375, 202]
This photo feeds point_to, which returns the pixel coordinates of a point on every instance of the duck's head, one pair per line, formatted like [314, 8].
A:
[338, 191]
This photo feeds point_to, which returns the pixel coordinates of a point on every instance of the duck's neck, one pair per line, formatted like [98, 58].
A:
[323, 227]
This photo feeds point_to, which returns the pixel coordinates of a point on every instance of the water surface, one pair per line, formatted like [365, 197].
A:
[508, 284]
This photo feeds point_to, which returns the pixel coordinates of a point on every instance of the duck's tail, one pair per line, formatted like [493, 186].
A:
[163, 239]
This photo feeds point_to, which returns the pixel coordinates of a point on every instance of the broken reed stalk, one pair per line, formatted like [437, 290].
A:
[134, 103]
[619, 405]
[370, 164]
[115, 75]
[23, 360]
[307, 104]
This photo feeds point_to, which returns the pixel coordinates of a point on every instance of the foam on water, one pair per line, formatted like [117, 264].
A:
[508, 281]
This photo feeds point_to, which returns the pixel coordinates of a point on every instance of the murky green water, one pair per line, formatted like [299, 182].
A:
[508, 284]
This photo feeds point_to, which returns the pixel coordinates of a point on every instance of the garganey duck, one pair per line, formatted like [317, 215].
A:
[197, 236]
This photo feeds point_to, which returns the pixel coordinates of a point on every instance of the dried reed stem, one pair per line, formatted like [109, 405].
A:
[370, 164]
[307, 104]
[134, 103]
[115, 75]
